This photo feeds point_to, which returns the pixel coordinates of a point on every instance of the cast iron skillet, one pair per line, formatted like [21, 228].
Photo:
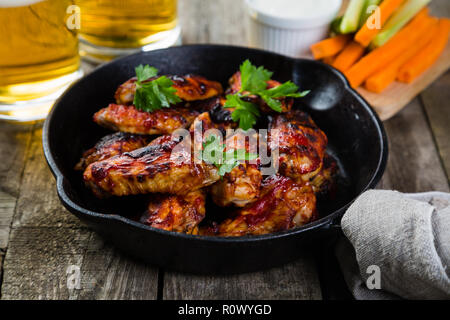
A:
[356, 138]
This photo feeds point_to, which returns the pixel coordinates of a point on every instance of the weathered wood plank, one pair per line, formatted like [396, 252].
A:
[13, 146]
[413, 164]
[219, 21]
[38, 203]
[109, 274]
[1, 267]
[296, 280]
[37, 259]
[7, 206]
[436, 105]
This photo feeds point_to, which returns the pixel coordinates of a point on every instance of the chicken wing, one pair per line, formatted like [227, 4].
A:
[129, 119]
[164, 166]
[300, 143]
[235, 86]
[176, 213]
[112, 145]
[241, 185]
[189, 88]
[282, 205]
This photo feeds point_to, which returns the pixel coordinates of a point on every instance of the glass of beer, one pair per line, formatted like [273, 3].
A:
[112, 28]
[38, 56]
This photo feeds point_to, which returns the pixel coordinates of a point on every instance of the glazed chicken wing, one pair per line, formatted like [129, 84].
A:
[123, 116]
[164, 166]
[176, 213]
[189, 88]
[129, 119]
[112, 145]
[301, 145]
[235, 86]
[282, 205]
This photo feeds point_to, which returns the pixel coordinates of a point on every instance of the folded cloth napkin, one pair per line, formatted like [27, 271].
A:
[403, 239]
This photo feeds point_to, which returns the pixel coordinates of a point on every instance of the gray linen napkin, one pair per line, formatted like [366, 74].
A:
[406, 237]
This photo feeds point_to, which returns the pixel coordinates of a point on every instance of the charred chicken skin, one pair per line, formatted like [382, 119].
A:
[235, 86]
[301, 145]
[164, 166]
[281, 205]
[110, 146]
[176, 213]
[189, 88]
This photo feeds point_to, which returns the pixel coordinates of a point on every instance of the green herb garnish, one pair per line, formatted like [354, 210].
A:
[254, 82]
[213, 153]
[246, 112]
[155, 94]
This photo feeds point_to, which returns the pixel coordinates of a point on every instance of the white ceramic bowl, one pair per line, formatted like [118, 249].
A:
[290, 34]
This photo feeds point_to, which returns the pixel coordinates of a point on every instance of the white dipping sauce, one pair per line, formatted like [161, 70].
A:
[289, 26]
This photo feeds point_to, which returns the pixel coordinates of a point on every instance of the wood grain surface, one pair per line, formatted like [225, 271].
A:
[40, 241]
[398, 95]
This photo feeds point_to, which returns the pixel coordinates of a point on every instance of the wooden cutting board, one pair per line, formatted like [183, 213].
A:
[398, 95]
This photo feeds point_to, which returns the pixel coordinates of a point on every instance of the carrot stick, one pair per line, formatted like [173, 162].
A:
[367, 32]
[427, 56]
[347, 57]
[381, 56]
[383, 78]
[330, 46]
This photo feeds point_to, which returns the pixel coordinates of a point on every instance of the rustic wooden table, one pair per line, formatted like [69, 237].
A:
[40, 240]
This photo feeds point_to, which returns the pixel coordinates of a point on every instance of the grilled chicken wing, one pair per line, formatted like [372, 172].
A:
[301, 145]
[112, 145]
[176, 213]
[235, 86]
[189, 88]
[129, 119]
[282, 205]
[242, 185]
[238, 187]
[164, 166]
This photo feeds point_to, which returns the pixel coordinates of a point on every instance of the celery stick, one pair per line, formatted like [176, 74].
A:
[365, 11]
[335, 25]
[401, 17]
[350, 21]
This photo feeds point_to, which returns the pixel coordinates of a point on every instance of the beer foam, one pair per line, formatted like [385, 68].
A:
[17, 3]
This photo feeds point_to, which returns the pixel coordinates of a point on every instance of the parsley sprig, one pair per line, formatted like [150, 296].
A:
[155, 94]
[254, 82]
[214, 153]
